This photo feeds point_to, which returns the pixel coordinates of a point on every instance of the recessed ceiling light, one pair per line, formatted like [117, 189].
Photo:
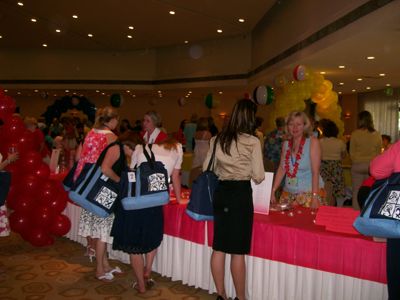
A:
[322, 72]
[220, 92]
[75, 16]
[33, 20]
[128, 91]
[186, 42]
[219, 30]
[370, 57]
[36, 91]
[186, 96]
[158, 91]
[90, 35]
[171, 12]
[190, 92]
[58, 30]
[1, 36]
[341, 83]
[55, 95]
[130, 27]
[97, 91]
[19, 93]
[241, 20]
[339, 93]
[387, 84]
[44, 45]
[359, 79]
[20, 4]
[103, 93]
[353, 90]
[133, 96]
[6, 91]
[341, 67]
[382, 74]
[129, 36]
[368, 87]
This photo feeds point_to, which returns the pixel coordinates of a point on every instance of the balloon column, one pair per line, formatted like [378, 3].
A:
[211, 101]
[290, 96]
[36, 201]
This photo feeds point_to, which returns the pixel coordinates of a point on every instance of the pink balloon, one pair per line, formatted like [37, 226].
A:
[61, 225]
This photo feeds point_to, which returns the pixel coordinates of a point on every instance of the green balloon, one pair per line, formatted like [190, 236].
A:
[209, 100]
[270, 95]
[115, 100]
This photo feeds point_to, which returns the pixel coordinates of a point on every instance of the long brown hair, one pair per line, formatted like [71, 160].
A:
[242, 120]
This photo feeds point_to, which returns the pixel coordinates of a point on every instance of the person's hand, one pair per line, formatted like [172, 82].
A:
[315, 203]
[273, 198]
[11, 157]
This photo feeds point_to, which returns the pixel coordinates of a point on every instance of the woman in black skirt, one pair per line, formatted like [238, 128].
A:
[238, 159]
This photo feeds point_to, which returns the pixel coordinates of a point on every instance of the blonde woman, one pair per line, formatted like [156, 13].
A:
[300, 165]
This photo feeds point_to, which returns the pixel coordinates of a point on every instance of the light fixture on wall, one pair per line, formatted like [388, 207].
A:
[347, 115]
[222, 115]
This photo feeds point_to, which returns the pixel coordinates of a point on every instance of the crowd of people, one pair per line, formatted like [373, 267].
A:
[305, 156]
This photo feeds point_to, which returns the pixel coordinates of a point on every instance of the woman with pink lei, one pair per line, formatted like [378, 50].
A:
[300, 165]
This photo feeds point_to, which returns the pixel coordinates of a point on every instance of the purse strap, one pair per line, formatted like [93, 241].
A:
[150, 158]
[212, 158]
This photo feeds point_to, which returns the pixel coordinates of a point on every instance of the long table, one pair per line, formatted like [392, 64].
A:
[291, 257]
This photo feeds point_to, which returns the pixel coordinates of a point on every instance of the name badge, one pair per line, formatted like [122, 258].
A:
[292, 181]
[131, 177]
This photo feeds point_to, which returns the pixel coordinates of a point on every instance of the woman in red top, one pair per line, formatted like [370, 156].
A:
[152, 134]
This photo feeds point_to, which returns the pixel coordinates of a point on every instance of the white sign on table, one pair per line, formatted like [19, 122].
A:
[262, 194]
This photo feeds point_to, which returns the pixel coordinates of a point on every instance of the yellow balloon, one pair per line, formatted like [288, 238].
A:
[318, 97]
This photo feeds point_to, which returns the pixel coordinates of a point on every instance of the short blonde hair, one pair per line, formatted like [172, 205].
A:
[306, 120]
[104, 115]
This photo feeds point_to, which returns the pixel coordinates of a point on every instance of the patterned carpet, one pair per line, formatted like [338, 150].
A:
[61, 271]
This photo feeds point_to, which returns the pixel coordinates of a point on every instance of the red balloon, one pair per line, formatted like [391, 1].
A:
[23, 202]
[25, 142]
[30, 185]
[7, 107]
[19, 222]
[30, 162]
[47, 193]
[61, 225]
[43, 171]
[42, 216]
[39, 237]
[55, 202]
[14, 127]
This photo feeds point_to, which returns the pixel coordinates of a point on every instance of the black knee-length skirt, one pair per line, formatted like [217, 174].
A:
[233, 217]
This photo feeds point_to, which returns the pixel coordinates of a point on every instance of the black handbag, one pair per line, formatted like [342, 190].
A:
[5, 182]
[96, 192]
[200, 206]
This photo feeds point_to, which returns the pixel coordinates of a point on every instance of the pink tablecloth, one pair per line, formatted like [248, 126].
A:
[294, 240]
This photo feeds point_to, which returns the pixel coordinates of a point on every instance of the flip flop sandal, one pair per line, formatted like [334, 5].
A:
[107, 277]
[116, 271]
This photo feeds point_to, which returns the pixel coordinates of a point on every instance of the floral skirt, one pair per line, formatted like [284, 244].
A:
[303, 199]
[331, 171]
[95, 227]
[4, 224]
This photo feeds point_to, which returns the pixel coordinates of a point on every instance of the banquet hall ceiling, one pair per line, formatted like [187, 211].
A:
[376, 34]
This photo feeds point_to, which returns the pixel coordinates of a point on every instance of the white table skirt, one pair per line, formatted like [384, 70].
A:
[266, 279]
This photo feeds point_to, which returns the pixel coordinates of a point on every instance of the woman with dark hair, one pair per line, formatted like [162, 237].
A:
[238, 159]
[365, 144]
[333, 150]
[152, 134]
